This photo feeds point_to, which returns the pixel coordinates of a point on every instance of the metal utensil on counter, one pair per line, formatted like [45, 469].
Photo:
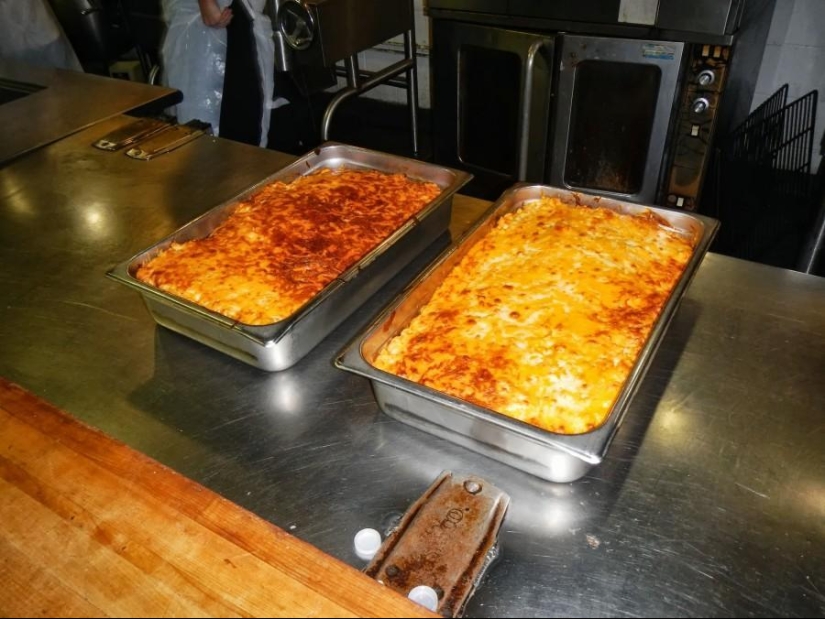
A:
[141, 129]
[444, 543]
[172, 137]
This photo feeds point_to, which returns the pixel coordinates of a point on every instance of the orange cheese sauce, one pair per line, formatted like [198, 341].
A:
[545, 316]
[286, 242]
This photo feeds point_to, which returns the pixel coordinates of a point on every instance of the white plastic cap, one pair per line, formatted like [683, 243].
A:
[367, 543]
[424, 595]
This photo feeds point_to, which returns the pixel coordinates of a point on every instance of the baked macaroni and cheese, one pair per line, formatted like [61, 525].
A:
[285, 242]
[544, 317]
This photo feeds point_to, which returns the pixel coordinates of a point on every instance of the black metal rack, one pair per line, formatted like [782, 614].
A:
[765, 194]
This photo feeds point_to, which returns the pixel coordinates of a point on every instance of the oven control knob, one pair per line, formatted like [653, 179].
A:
[706, 77]
[700, 105]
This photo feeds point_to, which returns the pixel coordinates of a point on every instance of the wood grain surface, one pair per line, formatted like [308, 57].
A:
[90, 527]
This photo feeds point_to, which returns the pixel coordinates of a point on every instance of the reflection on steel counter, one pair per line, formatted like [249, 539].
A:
[168, 139]
[132, 133]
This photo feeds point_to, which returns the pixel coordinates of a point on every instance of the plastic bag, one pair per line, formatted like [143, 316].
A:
[32, 34]
[265, 44]
[193, 57]
[194, 61]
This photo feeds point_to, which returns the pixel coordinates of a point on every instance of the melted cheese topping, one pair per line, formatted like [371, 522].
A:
[284, 243]
[544, 317]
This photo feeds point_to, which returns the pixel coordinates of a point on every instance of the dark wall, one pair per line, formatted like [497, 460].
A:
[748, 49]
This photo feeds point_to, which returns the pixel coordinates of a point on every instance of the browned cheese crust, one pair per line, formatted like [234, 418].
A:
[545, 316]
[286, 242]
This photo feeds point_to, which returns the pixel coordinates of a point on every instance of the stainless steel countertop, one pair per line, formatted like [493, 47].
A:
[711, 501]
[69, 101]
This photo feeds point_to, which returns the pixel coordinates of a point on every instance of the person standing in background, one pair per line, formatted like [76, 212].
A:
[213, 15]
[193, 56]
[220, 55]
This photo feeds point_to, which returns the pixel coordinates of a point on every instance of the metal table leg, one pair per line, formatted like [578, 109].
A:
[359, 82]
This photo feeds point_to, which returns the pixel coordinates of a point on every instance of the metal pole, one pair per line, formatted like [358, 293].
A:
[412, 79]
[342, 95]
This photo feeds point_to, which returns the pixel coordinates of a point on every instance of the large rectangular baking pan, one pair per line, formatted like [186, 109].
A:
[551, 456]
[280, 345]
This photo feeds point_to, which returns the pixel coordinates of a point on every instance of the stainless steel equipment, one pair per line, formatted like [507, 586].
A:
[168, 139]
[280, 345]
[550, 456]
[98, 31]
[137, 131]
[621, 98]
[322, 33]
[54, 103]
[294, 30]
[615, 98]
[11, 90]
[709, 502]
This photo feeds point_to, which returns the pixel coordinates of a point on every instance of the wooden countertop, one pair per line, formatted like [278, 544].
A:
[91, 527]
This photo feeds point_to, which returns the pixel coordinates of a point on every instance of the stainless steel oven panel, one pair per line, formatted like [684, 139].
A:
[280, 345]
[320, 33]
[666, 55]
[455, 42]
[705, 16]
[550, 456]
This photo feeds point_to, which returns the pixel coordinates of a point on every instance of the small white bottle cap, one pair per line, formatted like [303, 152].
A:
[367, 543]
[424, 595]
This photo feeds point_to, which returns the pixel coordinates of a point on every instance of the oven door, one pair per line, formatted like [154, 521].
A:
[491, 89]
[616, 98]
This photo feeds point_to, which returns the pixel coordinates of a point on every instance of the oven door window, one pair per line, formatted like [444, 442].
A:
[489, 114]
[614, 105]
[491, 92]
[611, 122]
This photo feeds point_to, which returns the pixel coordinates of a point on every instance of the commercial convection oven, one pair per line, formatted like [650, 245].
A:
[617, 97]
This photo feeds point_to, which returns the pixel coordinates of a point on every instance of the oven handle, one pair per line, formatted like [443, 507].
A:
[527, 96]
